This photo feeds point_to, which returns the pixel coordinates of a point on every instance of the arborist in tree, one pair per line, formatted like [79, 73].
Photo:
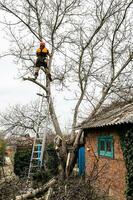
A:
[42, 53]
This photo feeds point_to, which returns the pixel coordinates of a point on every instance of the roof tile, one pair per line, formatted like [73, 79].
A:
[113, 115]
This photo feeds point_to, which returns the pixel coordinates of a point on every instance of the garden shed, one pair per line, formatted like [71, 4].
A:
[109, 150]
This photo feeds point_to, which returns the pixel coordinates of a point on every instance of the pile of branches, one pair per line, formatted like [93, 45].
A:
[71, 189]
[9, 187]
[76, 188]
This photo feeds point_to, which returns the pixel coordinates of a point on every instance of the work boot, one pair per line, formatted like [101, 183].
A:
[35, 75]
[49, 76]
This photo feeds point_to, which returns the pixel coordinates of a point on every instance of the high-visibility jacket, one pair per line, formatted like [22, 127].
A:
[42, 52]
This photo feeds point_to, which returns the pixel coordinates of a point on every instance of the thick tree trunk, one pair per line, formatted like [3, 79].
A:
[67, 153]
[61, 149]
[54, 118]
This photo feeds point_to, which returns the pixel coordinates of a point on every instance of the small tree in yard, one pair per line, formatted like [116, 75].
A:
[93, 40]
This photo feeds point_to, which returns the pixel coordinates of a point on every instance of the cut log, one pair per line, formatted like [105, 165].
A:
[81, 140]
[77, 139]
[50, 191]
[33, 193]
[71, 155]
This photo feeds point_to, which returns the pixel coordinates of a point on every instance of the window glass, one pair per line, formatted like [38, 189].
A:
[102, 145]
[108, 145]
[105, 146]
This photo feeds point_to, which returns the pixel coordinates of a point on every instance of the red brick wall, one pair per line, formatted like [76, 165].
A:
[112, 172]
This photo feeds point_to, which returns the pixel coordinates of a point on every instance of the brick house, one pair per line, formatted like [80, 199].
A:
[103, 150]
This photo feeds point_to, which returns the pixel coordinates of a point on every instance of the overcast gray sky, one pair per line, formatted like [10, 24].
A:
[12, 90]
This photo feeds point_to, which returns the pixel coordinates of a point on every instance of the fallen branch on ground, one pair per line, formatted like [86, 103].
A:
[33, 193]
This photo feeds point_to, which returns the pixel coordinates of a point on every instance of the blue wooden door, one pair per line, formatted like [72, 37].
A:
[81, 161]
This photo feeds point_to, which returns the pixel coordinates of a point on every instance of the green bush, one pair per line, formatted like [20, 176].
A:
[2, 151]
[22, 161]
[50, 169]
[52, 162]
[127, 147]
[41, 177]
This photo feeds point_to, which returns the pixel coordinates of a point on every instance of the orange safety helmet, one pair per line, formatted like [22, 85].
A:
[42, 44]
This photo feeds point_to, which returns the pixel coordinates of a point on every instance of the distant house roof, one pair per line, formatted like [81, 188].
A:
[25, 141]
[20, 141]
[113, 115]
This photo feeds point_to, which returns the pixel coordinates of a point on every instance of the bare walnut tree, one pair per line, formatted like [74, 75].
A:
[91, 53]
[23, 119]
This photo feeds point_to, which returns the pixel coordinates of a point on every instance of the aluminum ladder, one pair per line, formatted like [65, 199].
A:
[36, 161]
